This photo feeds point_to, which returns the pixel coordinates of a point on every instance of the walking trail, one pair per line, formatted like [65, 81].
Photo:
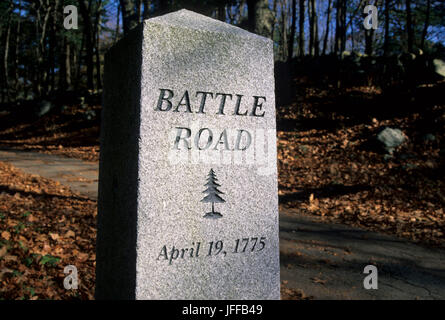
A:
[325, 261]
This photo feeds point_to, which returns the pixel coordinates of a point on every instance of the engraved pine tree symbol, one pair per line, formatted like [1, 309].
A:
[212, 195]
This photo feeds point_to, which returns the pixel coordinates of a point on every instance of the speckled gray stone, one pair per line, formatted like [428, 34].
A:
[151, 220]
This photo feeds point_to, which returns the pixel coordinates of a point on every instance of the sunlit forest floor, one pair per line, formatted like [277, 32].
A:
[328, 163]
[330, 167]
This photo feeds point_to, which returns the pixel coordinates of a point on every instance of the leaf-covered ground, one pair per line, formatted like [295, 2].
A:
[68, 132]
[329, 168]
[43, 228]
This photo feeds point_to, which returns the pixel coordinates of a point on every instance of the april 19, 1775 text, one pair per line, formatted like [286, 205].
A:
[212, 248]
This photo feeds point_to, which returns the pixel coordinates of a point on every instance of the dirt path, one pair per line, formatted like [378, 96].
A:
[325, 261]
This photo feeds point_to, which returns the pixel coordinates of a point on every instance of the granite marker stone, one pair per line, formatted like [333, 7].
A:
[188, 204]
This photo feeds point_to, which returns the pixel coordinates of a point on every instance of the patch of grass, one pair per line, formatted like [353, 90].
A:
[19, 228]
[50, 260]
[28, 261]
[16, 273]
[22, 246]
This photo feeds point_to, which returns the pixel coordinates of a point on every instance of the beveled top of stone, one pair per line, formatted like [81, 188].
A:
[191, 20]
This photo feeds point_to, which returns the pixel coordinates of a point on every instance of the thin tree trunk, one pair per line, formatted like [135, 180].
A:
[138, 10]
[311, 27]
[315, 22]
[343, 23]
[352, 33]
[146, 13]
[328, 20]
[386, 41]
[97, 32]
[77, 60]
[425, 26]
[68, 64]
[85, 12]
[2, 93]
[284, 40]
[241, 9]
[129, 14]
[116, 32]
[337, 26]
[222, 12]
[409, 26]
[340, 27]
[292, 30]
[42, 71]
[274, 11]
[53, 45]
[369, 38]
[17, 42]
[62, 69]
[5, 60]
[301, 29]
[259, 17]
[163, 6]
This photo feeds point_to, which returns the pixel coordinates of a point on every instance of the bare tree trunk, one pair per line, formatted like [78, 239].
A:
[328, 20]
[409, 26]
[352, 32]
[68, 64]
[65, 65]
[146, 13]
[369, 38]
[138, 11]
[315, 22]
[42, 71]
[311, 27]
[274, 12]
[386, 41]
[5, 59]
[425, 26]
[242, 7]
[17, 43]
[292, 30]
[301, 29]
[85, 12]
[343, 23]
[284, 40]
[260, 17]
[53, 44]
[6, 52]
[97, 44]
[116, 32]
[129, 14]
[77, 61]
[2, 93]
[222, 12]
[340, 27]
[62, 69]
[163, 6]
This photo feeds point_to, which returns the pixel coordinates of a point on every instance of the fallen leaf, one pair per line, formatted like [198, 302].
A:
[6, 235]
[54, 236]
[10, 258]
[3, 251]
[317, 280]
[70, 234]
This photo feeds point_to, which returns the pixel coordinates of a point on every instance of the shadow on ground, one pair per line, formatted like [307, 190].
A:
[326, 261]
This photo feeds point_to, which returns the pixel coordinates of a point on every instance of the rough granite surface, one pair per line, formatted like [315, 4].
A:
[186, 51]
